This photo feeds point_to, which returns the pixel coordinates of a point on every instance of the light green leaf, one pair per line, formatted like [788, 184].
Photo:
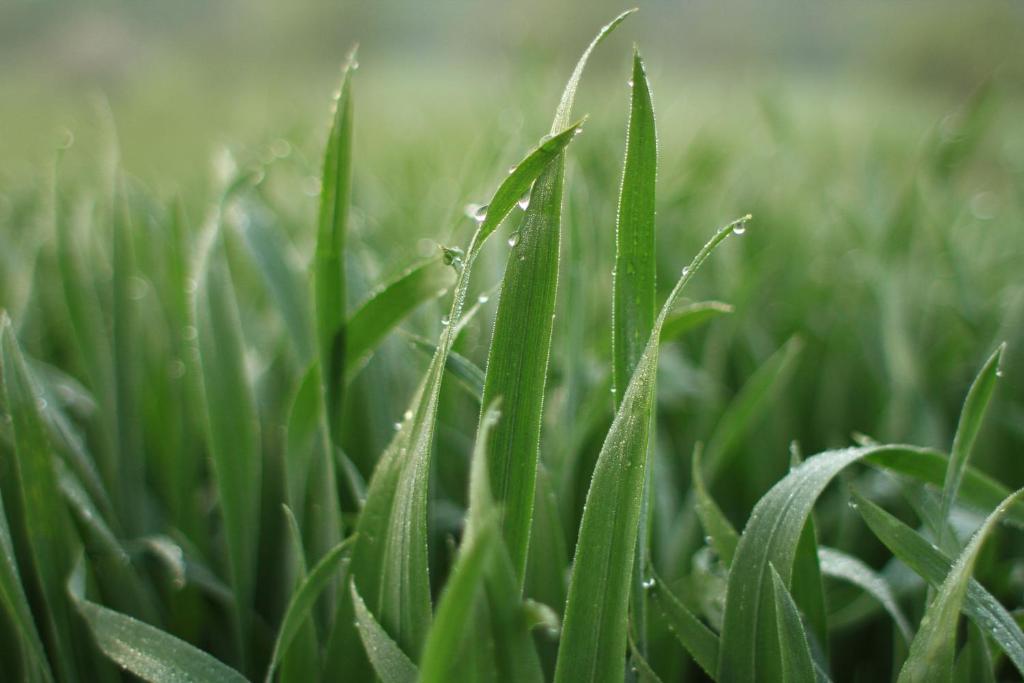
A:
[147, 652]
[838, 565]
[390, 663]
[933, 566]
[932, 650]
[594, 634]
[303, 598]
[967, 429]
[689, 317]
[716, 525]
[797, 664]
[517, 361]
[329, 261]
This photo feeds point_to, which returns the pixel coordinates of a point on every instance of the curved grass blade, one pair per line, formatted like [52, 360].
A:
[933, 566]
[716, 525]
[699, 640]
[517, 361]
[466, 372]
[15, 602]
[300, 663]
[749, 641]
[147, 652]
[389, 305]
[797, 663]
[303, 599]
[389, 561]
[967, 429]
[692, 316]
[390, 663]
[594, 634]
[329, 261]
[44, 530]
[838, 565]
[931, 655]
[231, 421]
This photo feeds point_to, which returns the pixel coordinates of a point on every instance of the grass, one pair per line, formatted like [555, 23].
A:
[232, 448]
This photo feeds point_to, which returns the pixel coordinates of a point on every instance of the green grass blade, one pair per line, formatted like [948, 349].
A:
[389, 305]
[44, 529]
[967, 429]
[699, 640]
[839, 565]
[692, 316]
[716, 525]
[797, 664]
[974, 664]
[389, 561]
[303, 599]
[594, 635]
[931, 655]
[933, 566]
[633, 300]
[15, 602]
[232, 422]
[390, 663]
[466, 372]
[517, 361]
[329, 261]
[749, 640]
[147, 652]
[633, 286]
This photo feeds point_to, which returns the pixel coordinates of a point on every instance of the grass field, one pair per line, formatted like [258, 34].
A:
[420, 386]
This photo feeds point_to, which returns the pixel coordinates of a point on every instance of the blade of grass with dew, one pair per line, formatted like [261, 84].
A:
[749, 640]
[716, 525]
[931, 655]
[389, 561]
[836, 564]
[44, 528]
[593, 641]
[389, 305]
[797, 664]
[692, 316]
[933, 566]
[301, 603]
[231, 420]
[967, 429]
[699, 640]
[633, 289]
[517, 361]
[329, 260]
[389, 661]
[143, 650]
[15, 602]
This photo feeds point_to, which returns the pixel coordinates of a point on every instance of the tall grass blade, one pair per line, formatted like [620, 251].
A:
[797, 663]
[517, 362]
[716, 525]
[594, 634]
[391, 664]
[43, 531]
[967, 429]
[232, 422]
[931, 655]
[699, 640]
[329, 261]
[692, 316]
[839, 565]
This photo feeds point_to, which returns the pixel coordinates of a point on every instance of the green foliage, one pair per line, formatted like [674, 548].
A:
[170, 386]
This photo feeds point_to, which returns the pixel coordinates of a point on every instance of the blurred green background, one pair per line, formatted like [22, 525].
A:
[878, 144]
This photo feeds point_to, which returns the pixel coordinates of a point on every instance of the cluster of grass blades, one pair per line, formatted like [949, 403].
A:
[159, 522]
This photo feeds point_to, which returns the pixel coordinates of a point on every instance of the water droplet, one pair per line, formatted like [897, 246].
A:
[41, 403]
[630, 83]
[483, 298]
[999, 372]
[453, 256]
[67, 138]
[739, 229]
[407, 415]
[523, 257]
[524, 201]
[398, 425]
[280, 148]
[685, 271]
[614, 391]
[176, 370]
[513, 240]
[446, 321]
[648, 583]
[477, 212]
